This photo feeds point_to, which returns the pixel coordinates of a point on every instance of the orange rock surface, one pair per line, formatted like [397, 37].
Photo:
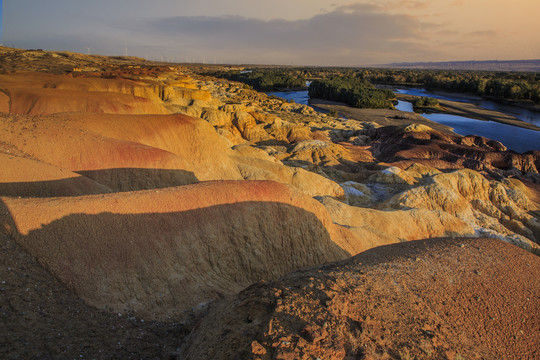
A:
[161, 252]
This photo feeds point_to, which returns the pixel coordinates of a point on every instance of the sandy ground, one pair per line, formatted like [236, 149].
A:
[382, 117]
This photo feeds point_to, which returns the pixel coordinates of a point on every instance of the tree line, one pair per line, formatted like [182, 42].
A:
[501, 85]
[264, 79]
[498, 85]
[352, 91]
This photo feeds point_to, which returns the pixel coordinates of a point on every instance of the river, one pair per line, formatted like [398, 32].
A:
[532, 117]
[513, 137]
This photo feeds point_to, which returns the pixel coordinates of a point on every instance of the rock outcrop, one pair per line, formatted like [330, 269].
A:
[451, 151]
[380, 227]
[494, 208]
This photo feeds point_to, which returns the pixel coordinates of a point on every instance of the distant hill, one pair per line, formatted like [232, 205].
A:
[489, 65]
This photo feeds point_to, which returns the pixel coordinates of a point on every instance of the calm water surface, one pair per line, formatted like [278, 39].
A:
[522, 114]
[299, 97]
[513, 137]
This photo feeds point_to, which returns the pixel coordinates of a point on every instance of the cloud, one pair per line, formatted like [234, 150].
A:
[447, 33]
[353, 34]
[484, 34]
[348, 35]
[406, 4]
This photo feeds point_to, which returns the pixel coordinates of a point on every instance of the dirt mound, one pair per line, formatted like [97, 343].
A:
[451, 299]
[133, 152]
[161, 252]
[123, 152]
[52, 101]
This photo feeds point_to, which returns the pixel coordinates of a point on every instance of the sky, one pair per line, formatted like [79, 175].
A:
[285, 32]
[1, 17]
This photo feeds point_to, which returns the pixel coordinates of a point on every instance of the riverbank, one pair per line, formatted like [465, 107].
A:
[475, 112]
[381, 117]
[522, 104]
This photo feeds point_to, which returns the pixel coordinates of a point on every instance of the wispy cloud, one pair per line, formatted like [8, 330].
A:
[483, 34]
[352, 34]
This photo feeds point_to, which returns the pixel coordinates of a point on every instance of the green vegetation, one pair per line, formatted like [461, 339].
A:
[500, 85]
[333, 113]
[352, 91]
[422, 103]
[496, 85]
[265, 79]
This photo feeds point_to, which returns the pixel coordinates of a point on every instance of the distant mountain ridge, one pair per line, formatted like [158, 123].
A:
[488, 65]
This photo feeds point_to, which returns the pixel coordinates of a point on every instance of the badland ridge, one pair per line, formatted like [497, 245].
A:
[145, 201]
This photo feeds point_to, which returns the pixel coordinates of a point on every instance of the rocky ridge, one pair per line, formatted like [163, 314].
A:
[151, 190]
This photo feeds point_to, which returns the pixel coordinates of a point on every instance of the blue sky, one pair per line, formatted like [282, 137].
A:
[298, 32]
[1, 17]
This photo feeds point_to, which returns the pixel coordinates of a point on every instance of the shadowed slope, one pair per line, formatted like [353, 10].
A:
[42, 319]
[31, 178]
[4, 102]
[92, 142]
[161, 252]
[452, 299]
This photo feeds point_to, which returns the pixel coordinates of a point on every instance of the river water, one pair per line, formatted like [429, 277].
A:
[513, 137]
[520, 113]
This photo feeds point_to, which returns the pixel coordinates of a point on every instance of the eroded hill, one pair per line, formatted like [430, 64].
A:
[151, 191]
